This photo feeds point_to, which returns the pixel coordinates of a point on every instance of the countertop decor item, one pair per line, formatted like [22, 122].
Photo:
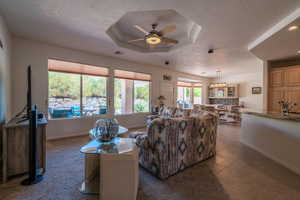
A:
[106, 129]
[286, 107]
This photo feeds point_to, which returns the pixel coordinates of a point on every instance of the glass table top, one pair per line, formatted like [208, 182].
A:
[117, 146]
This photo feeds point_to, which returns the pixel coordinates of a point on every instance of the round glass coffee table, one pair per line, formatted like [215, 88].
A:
[92, 152]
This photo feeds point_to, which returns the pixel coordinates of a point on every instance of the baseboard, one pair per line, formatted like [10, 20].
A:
[281, 162]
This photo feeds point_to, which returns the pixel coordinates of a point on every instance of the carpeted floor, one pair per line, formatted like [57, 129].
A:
[237, 172]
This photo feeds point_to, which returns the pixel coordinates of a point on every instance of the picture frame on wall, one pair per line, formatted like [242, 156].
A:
[167, 77]
[256, 90]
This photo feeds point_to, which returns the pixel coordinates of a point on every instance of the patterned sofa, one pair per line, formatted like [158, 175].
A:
[172, 144]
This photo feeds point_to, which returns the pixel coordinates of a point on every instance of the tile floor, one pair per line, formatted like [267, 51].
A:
[237, 172]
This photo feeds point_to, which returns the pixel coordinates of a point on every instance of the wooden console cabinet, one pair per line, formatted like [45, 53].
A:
[284, 84]
[15, 141]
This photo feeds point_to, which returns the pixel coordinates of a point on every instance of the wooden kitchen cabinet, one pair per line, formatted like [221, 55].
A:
[276, 78]
[276, 95]
[292, 76]
[293, 95]
[284, 84]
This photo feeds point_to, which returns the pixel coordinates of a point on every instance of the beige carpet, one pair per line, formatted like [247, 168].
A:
[236, 173]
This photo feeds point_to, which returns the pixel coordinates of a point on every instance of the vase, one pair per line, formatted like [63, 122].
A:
[106, 129]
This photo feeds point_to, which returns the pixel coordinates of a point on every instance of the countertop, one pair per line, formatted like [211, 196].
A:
[274, 115]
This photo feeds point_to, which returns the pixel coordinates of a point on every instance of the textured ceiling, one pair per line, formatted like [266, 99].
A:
[229, 26]
[123, 30]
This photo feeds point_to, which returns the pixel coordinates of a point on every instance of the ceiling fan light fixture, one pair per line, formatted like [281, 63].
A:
[153, 40]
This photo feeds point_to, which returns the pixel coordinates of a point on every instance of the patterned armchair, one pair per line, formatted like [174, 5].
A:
[172, 144]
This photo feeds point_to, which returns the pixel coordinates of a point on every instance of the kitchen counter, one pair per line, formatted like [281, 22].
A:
[274, 135]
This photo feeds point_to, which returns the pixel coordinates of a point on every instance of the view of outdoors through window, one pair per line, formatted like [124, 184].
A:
[141, 96]
[81, 90]
[188, 93]
[197, 95]
[123, 95]
[184, 97]
[64, 95]
[131, 96]
[94, 95]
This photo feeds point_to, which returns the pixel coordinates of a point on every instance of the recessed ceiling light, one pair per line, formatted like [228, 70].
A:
[292, 28]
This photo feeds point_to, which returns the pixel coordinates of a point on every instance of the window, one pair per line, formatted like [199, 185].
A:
[132, 92]
[76, 89]
[141, 96]
[94, 95]
[184, 96]
[188, 93]
[197, 95]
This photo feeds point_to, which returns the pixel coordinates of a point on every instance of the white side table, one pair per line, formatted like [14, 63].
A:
[93, 152]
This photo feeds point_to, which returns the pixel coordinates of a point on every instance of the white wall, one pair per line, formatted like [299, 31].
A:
[5, 56]
[253, 76]
[277, 139]
[27, 52]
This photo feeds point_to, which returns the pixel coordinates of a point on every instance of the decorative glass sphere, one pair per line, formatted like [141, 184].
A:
[105, 129]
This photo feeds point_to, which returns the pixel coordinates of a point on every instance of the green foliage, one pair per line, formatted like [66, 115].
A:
[197, 92]
[118, 95]
[64, 85]
[68, 85]
[94, 86]
[141, 105]
[141, 94]
[141, 90]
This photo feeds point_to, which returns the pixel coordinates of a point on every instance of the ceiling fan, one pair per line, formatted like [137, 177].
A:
[155, 37]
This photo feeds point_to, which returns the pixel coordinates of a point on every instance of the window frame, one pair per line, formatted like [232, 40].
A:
[81, 90]
[150, 91]
[193, 85]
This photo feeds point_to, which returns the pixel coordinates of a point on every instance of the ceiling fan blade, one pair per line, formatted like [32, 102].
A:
[169, 40]
[167, 30]
[136, 40]
[141, 29]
